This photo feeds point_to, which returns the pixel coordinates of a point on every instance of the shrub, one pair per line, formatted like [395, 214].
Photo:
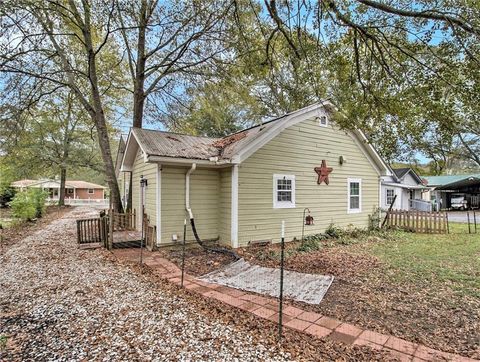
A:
[39, 198]
[310, 243]
[333, 232]
[6, 195]
[29, 205]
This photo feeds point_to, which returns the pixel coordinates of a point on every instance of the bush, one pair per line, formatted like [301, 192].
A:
[6, 195]
[333, 232]
[29, 205]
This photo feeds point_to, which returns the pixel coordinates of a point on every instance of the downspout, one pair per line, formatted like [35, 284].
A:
[187, 190]
[192, 220]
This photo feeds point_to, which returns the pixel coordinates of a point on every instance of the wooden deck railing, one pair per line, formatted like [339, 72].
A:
[124, 221]
[418, 221]
[92, 230]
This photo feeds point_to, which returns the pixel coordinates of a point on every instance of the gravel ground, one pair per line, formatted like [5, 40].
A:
[64, 304]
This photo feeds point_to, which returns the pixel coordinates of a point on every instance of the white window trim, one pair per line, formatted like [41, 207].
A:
[91, 193]
[359, 181]
[283, 204]
[320, 121]
[386, 195]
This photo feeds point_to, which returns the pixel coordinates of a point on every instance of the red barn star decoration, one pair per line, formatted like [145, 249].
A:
[323, 173]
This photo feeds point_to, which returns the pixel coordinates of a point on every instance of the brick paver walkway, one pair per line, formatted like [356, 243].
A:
[307, 322]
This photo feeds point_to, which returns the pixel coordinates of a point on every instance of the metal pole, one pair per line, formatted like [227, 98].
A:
[475, 221]
[448, 225]
[468, 219]
[303, 223]
[142, 195]
[183, 248]
[282, 255]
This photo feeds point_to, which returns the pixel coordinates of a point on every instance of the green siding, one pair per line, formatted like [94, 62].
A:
[296, 151]
[225, 207]
[204, 201]
[149, 171]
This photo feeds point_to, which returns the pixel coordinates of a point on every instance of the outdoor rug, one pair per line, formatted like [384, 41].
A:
[308, 288]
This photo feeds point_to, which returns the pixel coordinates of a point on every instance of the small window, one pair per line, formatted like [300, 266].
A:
[390, 195]
[91, 191]
[283, 191]
[323, 121]
[70, 191]
[354, 195]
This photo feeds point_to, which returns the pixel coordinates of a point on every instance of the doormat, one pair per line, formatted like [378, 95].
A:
[308, 288]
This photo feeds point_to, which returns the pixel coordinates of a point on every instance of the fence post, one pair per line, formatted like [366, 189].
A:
[78, 232]
[110, 229]
[282, 257]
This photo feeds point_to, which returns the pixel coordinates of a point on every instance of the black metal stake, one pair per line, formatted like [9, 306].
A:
[183, 248]
[448, 225]
[303, 222]
[282, 255]
[468, 219]
[475, 221]
[143, 184]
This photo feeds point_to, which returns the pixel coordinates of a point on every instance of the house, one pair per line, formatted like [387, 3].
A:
[239, 188]
[442, 189]
[408, 187]
[74, 190]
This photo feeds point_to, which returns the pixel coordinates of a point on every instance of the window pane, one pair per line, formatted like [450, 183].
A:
[284, 184]
[284, 196]
[354, 189]
[354, 202]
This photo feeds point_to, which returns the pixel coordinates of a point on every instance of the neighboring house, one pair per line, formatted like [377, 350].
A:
[74, 190]
[242, 186]
[457, 187]
[408, 187]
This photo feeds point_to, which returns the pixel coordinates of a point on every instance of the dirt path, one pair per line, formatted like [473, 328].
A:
[61, 303]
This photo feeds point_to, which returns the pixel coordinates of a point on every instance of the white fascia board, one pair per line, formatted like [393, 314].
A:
[128, 146]
[185, 161]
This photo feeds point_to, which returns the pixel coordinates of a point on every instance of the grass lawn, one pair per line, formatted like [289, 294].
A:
[447, 259]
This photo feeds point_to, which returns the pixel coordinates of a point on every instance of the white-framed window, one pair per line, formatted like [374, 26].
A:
[283, 191]
[390, 194]
[354, 195]
[91, 191]
[323, 121]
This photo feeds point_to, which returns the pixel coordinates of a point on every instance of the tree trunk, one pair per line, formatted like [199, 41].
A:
[61, 194]
[99, 117]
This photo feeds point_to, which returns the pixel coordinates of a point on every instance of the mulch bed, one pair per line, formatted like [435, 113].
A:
[197, 261]
[19, 231]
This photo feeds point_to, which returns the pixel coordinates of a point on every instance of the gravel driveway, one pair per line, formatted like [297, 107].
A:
[61, 303]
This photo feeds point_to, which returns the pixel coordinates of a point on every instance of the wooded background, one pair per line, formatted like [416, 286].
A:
[74, 74]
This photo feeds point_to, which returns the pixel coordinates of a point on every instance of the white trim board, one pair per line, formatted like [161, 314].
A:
[234, 207]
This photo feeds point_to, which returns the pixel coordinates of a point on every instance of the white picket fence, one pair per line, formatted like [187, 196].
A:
[81, 202]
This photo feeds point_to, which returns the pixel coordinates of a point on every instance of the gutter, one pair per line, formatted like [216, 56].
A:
[187, 190]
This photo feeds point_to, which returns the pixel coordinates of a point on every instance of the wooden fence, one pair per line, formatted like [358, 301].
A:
[124, 221]
[92, 231]
[418, 221]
